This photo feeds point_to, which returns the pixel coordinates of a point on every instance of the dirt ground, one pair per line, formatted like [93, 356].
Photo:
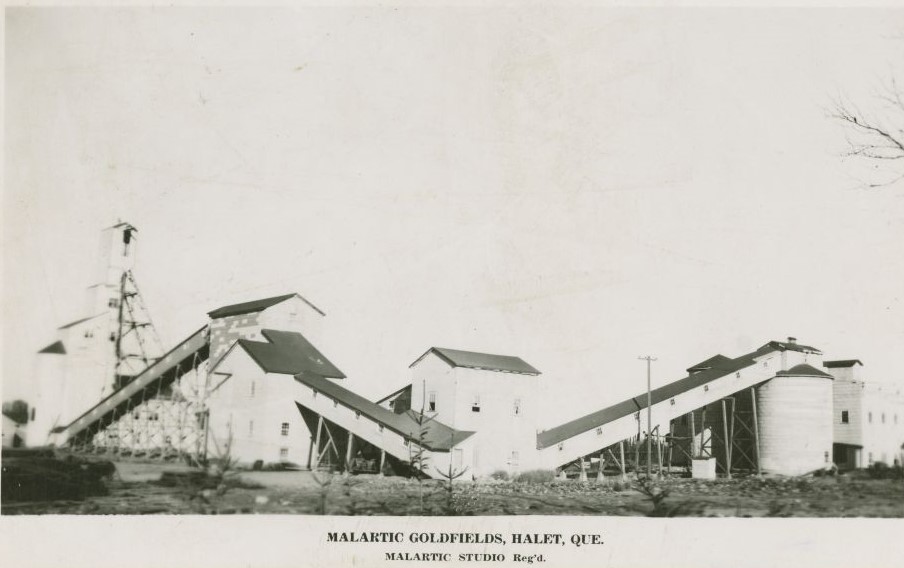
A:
[137, 490]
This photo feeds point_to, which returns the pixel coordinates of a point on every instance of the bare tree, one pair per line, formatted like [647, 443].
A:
[877, 136]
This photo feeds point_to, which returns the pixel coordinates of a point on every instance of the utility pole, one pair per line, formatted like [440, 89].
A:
[649, 361]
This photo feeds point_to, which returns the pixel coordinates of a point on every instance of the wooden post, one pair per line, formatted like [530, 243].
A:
[727, 442]
[310, 452]
[621, 461]
[693, 436]
[583, 476]
[317, 444]
[602, 465]
[348, 452]
[659, 451]
[703, 433]
[382, 461]
[756, 430]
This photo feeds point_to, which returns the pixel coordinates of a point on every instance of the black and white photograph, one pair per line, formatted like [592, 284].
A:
[449, 283]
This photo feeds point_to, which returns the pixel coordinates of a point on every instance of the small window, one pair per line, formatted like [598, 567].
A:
[113, 303]
[561, 446]
[515, 457]
[431, 403]
[672, 402]
[284, 429]
[737, 375]
[869, 418]
[153, 417]
[705, 388]
[284, 453]
[89, 334]
[253, 388]
[391, 404]
[517, 407]
[251, 427]
[883, 418]
[475, 404]
[826, 456]
[599, 431]
[845, 417]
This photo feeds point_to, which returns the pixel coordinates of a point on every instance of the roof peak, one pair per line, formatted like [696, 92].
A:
[252, 306]
[482, 361]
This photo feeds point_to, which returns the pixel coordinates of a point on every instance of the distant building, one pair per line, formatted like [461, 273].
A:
[868, 418]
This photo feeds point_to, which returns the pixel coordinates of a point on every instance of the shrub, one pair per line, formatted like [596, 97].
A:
[881, 470]
[500, 475]
[536, 476]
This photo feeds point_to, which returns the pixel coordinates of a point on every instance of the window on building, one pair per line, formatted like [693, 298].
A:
[475, 404]
[514, 459]
[561, 446]
[391, 404]
[869, 417]
[883, 418]
[153, 417]
[845, 417]
[826, 456]
[113, 303]
[284, 454]
[516, 410]
[89, 333]
[672, 402]
[705, 388]
[599, 431]
[737, 375]
[251, 427]
[284, 429]
[253, 388]
[431, 402]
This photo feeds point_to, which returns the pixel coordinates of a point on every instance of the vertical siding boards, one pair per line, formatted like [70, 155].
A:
[795, 424]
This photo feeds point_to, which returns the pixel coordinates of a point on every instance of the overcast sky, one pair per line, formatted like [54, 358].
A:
[576, 187]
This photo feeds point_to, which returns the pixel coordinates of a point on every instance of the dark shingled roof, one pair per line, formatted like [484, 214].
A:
[289, 353]
[715, 361]
[842, 363]
[804, 370]
[437, 436]
[255, 306]
[486, 361]
[56, 347]
[632, 405]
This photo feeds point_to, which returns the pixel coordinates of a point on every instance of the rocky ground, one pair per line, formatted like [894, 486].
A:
[180, 492]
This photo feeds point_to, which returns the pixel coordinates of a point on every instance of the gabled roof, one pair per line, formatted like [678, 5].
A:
[632, 405]
[57, 348]
[715, 361]
[255, 306]
[288, 353]
[842, 363]
[78, 321]
[400, 400]
[804, 370]
[792, 346]
[484, 361]
[437, 436]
